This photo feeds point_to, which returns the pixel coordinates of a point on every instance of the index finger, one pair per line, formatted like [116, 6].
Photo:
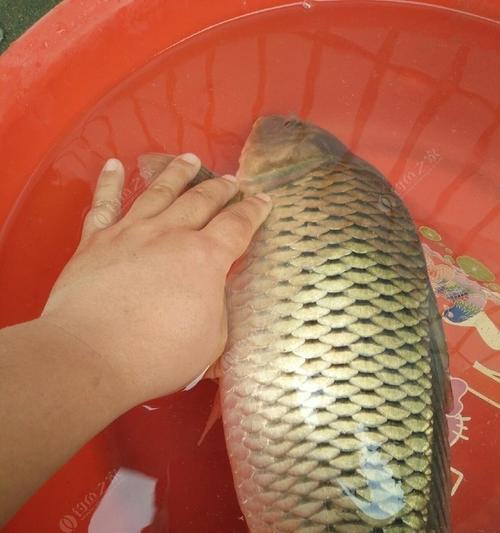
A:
[234, 227]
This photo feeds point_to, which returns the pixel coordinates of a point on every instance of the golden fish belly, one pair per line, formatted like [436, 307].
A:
[327, 387]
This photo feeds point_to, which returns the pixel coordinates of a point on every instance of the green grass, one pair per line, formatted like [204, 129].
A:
[16, 16]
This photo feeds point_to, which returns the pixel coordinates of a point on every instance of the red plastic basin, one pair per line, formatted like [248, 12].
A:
[412, 87]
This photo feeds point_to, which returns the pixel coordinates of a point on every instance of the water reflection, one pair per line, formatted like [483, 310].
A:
[127, 506]
[384, 496]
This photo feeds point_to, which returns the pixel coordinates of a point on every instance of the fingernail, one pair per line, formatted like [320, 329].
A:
[228, 177]
[192, 159]
[112, 165]
[264, 197]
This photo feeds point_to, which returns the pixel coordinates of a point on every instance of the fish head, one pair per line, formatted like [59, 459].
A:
[280, 149]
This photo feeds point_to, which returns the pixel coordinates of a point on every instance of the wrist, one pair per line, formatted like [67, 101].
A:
[56, 394]
[107, 385]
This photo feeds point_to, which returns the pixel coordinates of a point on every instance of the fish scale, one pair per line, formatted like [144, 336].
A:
[328, 389]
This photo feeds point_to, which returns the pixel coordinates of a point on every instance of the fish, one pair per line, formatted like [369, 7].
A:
[333, 385]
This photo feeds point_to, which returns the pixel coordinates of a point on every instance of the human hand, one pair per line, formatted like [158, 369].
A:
[146, 292]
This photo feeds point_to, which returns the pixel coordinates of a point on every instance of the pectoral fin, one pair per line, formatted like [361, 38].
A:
[213, 417]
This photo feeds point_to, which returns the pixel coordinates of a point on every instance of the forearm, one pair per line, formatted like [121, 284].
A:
[55, 394]
[146, 291]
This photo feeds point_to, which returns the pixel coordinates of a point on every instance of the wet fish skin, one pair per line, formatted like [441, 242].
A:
[333, 386]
